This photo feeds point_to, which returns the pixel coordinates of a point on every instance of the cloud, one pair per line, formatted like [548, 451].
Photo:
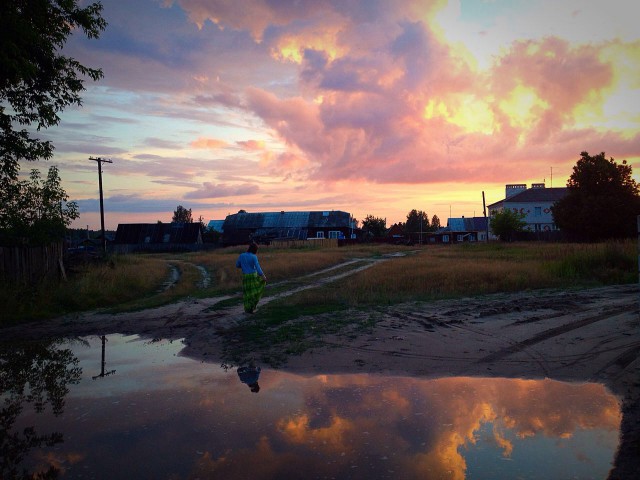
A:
[211, 190]
[252, 145]
[162, 143]
[209, 143]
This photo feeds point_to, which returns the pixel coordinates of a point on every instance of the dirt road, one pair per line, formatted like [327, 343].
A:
[576, 335]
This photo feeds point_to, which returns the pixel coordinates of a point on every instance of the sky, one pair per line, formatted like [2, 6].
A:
[372, 107]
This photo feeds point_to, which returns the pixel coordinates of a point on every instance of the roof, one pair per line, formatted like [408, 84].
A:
[291, 220]
[473, 224]
[217, 225]
[536, 195]
[135, 233]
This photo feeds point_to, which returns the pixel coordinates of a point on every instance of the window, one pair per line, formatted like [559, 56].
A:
[460, 238]
[445, 238]
[538, 211]
[334, 234]
[319, 234]
[166, 238]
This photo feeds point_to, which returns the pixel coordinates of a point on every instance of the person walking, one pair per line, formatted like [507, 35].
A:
[253, 278]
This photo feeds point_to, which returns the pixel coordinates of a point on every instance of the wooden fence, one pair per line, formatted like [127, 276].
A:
[30, 264]
[320, 242]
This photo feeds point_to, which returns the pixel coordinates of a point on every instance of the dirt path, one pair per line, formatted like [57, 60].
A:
[581, 335]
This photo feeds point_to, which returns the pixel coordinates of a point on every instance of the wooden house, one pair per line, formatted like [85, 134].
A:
[242, 227]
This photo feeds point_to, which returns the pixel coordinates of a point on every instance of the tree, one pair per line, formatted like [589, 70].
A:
[435, 223]
[36, 81]
[417, 223]
[374, 226]
[38, 209]
[506, 223]
[603, 200]
[182, 215]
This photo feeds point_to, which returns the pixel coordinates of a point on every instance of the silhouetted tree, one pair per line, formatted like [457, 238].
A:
[38, 209]
[417, 224]
[182, 215]
[435, 223]
[603, 200]
[36, 81]
[374, 226]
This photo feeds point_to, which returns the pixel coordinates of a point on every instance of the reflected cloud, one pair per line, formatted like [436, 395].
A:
[165, 415]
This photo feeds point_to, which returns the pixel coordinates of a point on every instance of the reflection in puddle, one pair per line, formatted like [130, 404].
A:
[164, 416]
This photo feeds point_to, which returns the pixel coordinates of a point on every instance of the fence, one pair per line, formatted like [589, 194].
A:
[320, 242]
[30, 264]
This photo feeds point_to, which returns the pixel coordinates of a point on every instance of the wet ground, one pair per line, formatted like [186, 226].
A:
[121, 406]
[410, 370]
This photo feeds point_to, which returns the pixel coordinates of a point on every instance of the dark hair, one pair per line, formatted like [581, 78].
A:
[253, 248]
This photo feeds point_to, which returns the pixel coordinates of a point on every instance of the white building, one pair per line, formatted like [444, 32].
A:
[535, 203]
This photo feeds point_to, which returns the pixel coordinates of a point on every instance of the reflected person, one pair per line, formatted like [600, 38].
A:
[253, 278]
[249, 375]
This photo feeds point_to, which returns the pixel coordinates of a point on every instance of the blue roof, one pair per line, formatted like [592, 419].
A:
[216, 225]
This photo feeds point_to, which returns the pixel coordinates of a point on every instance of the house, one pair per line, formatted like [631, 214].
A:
[216, 226]
[243, 227]
[461, 230]
[157, 237]
[535, 203]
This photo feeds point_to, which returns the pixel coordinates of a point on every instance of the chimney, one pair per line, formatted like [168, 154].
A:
[513, 189]
[537, 185]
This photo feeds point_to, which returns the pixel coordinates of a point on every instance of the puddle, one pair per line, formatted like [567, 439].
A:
[143, 411]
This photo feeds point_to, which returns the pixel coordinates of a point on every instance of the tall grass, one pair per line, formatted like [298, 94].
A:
[427, 273]
[438, 272]
[93, 285]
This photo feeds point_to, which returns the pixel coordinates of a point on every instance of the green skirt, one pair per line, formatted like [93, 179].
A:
[252, 290]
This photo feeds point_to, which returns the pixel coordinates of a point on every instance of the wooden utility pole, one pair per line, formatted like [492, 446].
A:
[100, 161]
[484, 212]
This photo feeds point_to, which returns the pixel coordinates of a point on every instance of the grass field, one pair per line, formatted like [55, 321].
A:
[424, 273]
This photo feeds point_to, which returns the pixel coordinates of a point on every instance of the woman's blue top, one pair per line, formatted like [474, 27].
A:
[249, 263]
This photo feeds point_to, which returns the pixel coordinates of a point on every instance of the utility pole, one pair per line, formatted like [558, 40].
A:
[100, 161]
[484, 212]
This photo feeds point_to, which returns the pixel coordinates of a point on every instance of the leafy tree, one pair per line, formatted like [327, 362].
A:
[417, 223]
[182, 215]
[38, 209]
[603, 200]
[374, 226]
[435, 223]
[506, 223]
[36, 81]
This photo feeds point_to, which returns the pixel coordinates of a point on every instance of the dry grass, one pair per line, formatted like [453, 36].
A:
[452, 271]
[92, 285]
[430, 272]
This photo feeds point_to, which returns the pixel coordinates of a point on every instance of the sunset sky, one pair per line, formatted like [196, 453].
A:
[370, 107]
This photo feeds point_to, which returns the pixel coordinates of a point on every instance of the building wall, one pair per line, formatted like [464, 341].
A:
[538, 215]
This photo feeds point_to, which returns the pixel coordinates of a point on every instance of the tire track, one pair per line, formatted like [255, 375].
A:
[554, 332]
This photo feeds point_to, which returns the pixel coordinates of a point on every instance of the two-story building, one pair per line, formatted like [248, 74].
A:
[535, 203]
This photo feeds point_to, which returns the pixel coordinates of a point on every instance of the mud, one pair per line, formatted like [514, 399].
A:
[574, 335]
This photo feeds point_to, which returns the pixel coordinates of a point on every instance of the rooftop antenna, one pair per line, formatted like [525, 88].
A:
[551, 177]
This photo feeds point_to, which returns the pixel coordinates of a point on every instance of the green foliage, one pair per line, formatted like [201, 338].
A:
[507, 222]
[36, 84]
[374, 226]
[37, 210]
[182, 215]
[603, 200]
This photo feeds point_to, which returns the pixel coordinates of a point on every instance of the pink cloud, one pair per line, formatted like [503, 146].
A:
[209, 143]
